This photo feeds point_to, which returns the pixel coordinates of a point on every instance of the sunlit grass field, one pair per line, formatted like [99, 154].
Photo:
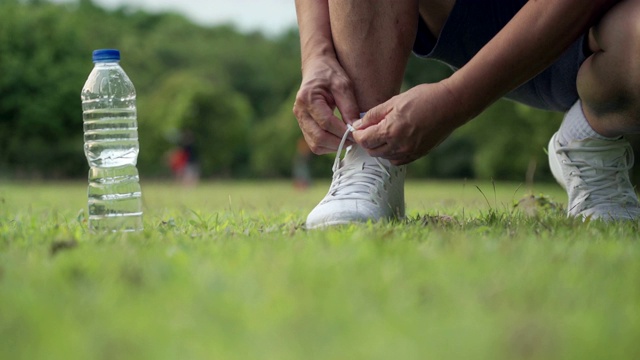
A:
[227, 271]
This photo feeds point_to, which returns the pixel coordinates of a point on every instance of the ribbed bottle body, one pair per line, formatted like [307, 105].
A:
[111, 147]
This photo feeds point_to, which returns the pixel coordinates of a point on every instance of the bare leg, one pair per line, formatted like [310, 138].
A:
[373, 41]
[609, 80]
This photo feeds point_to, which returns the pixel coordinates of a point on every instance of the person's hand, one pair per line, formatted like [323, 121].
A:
[409, 125]
[325, 86]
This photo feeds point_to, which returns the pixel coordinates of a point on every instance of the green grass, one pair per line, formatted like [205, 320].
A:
[226, 271]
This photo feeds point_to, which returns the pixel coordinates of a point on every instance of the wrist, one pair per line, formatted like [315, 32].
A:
[319, 52]
[463, 106]
[468, 100]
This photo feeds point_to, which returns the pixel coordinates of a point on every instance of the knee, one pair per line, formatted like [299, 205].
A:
[617, 38]
[619, 29]
[628, 26]
[630, 34]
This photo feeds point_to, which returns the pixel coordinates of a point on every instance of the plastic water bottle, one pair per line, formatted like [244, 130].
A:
[111, 146]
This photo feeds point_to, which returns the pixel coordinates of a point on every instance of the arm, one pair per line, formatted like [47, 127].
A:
[315, 29]
[325, 84]
[534, 38]
[409, 125]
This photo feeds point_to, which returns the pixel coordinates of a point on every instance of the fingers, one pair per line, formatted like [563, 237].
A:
[372, 117]
[372, 137]
[325, 120]
[314, 109]
[373, 132]
[321, 128]
[370, 130]
[319, 140]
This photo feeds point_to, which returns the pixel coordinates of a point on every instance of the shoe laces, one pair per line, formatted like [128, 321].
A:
[607, 181]
[357, 180]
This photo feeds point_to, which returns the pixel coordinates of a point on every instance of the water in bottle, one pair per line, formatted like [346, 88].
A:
[111, 146]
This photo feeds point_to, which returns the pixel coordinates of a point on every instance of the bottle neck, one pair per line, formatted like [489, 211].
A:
[107, 63]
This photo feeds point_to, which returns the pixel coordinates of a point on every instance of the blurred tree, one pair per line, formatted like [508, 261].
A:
[274, 146]
[220, 119]
[274, 142]
[230, 81]
[510, 139]
[39, 90]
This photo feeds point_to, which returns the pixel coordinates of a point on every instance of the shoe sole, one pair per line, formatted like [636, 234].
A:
[328, 224]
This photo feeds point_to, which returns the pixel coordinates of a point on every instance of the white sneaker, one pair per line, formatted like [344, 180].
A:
[595, 174]
[363, 188]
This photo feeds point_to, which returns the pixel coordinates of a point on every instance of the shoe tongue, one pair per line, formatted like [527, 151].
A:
[357, 153]
[353, 181]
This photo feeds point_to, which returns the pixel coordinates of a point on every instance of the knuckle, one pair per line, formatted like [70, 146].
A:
[302, 96]
[315, 148]
[365, 143]
[297, 107]
[314, 142]
[297, 110]
[323, 122]
[342, 84]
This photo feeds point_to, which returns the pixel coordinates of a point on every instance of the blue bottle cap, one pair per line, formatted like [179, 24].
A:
[106, 55]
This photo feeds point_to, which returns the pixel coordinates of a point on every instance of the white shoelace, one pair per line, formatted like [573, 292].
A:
[612, 184]
[353, 180]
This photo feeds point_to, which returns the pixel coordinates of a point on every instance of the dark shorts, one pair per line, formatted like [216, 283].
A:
[472, 23]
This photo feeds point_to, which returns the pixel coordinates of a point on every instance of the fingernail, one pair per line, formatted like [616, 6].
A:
[356, 125]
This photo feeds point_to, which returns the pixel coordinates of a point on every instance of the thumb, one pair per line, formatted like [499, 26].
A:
[371, 117]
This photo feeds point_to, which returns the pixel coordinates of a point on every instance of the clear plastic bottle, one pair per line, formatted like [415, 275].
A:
[111, 146]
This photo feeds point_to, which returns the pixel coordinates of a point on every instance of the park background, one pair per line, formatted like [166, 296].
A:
[233, 86]
[479, 269]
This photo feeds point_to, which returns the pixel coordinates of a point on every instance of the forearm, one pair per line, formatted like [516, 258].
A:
[315, 29]
[532, 41]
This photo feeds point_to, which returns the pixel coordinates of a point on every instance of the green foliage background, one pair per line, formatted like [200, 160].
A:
[235, 90]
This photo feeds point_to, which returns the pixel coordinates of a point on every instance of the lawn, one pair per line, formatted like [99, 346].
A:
[227, 271]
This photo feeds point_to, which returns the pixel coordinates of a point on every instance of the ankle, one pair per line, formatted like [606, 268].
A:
[576, 127]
